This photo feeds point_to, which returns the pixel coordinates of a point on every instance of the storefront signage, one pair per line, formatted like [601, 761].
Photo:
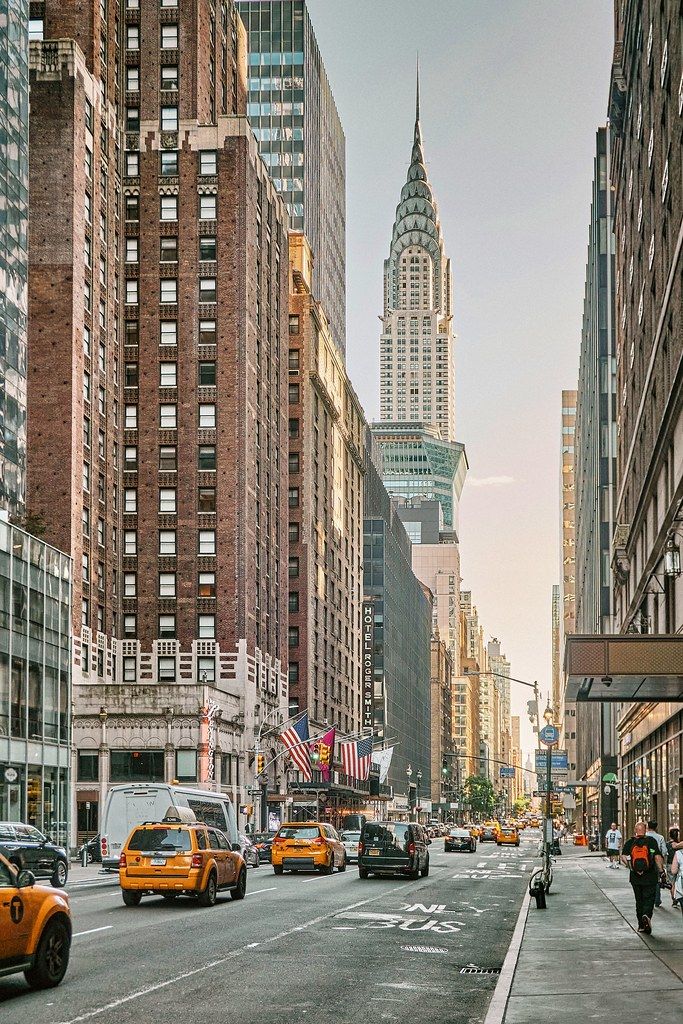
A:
[11, 775]
[368, 664]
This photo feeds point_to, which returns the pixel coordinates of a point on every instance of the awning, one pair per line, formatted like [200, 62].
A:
[624, 668]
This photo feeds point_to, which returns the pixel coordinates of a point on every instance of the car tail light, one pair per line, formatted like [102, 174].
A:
[104, 846]
[197, 860]
[360, 847]
[122, 860]
[320, 841]
[278, 839]
[411, 847]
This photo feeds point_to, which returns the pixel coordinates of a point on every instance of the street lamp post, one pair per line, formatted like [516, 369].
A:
[417, 792]
[409, 775]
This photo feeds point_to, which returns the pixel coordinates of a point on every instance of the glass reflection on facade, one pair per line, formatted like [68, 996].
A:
[301, 139]
[35, 682]
[13, 249]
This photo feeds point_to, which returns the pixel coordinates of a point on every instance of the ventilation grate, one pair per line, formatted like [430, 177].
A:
[423, 949]
[480, 970]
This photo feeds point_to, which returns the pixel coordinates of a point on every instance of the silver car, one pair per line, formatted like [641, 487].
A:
[248, 851]
[350, 841]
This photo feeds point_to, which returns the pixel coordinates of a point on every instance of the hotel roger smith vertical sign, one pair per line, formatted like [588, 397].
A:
[368, 648]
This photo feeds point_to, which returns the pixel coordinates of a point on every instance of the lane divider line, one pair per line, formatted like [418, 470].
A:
[257, 891]
[91, 931]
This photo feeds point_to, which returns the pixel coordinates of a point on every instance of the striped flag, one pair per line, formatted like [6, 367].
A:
[356, 757]
[295, 738]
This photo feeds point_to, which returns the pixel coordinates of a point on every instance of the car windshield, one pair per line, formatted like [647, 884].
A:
[307, 832]
[386, 831]
[350, 837]
[149, 840]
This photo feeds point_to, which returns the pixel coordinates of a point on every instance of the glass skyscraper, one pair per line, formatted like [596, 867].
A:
[13, 249]
[301, 139]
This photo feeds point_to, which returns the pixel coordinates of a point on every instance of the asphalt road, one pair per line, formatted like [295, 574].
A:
[299, 948]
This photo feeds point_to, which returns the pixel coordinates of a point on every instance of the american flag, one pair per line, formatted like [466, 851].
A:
[356, 757]
[295, 738]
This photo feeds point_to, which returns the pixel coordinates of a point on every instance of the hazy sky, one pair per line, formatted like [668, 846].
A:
[512, 92]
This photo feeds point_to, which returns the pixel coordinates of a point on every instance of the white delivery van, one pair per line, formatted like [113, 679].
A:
[133, 804]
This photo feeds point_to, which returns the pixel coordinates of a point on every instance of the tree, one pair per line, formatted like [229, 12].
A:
[521, 804]
[479, 794]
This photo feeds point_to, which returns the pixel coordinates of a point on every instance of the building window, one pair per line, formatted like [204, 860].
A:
[167, 500]
[131, 251]
[293, 568]
[137, 766]
[206, 667]
[206, 627]
[207, 207]
[293, 394]
[207, 332]
[166, 670]
[166, 584]
[293, 672]
[130, 626]
[132, 119]
[168, 209]
[168, 375]
[293, 533]
[207, 289]
[293, 323]
[168, 164]
[132, 332]
[130, 375]
[168, 334]
[88, 766]
[207, 247]
[166, 627]
[169, 79]
[168, 290]
[169, 119]
[206, 503]
[293, 604]
[186, 765]
[129, 584]
[206, 377]
[293, 636]
[168, 417]
[168, 249]
[207, 542]
[208, 162]
[293, 497]
[207, 458]
[207, 584]
[133, 78]
[293, 429]
[130, 669]
[132, 38]
[132, 165]
[207, 416]
[132, 292]
[294, 359]
[130, 542]
[130, 462]
[130, 500]
[169, 37]
[132, 208]
[167, 542]
[168, 458]
[130, 417]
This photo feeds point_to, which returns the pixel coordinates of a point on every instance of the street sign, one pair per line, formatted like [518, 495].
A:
[549, 735]
[507, 772]
[11, 775]
[558, 760]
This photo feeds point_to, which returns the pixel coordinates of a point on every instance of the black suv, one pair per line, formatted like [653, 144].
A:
[393, 848]
[28, 849]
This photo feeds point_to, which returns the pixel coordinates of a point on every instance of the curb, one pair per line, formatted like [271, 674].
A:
[501, 993]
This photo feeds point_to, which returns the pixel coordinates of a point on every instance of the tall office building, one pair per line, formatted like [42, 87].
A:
[14, 30]
[565, 714]
[292, 111]
[647, 179]
[595, 487]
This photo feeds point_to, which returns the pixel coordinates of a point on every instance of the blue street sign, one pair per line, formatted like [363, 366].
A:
[558, 760]
[507, 772]
[549, 735]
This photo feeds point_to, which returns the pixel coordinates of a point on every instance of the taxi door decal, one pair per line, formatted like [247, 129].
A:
[16, 909]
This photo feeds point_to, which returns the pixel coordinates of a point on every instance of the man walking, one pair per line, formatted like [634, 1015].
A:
[613, 839]
[661, 843]
[642, 855]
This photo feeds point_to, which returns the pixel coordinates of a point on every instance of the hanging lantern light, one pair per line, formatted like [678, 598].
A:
[672, 558]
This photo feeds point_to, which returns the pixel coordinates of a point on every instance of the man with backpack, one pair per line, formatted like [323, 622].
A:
[642, 855]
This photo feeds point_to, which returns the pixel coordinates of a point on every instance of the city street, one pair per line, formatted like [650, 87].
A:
[317, 948]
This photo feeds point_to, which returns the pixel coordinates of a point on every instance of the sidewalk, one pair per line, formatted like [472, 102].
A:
[583, 959]
[93, 874]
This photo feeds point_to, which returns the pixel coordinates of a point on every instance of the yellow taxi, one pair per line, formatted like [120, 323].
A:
[307, 846]
[507, 835]
[474, 830]
[35, 928]
[177, 857]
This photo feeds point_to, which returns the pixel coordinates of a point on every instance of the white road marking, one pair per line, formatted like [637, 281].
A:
[233, 954]
[257, 891]
[91, 931]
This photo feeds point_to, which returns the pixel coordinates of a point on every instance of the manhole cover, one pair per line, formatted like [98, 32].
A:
[423, 949]
[480, 970]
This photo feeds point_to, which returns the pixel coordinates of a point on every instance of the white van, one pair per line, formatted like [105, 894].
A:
[133, 804]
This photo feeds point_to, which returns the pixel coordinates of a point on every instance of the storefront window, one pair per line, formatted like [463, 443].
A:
[137, 766]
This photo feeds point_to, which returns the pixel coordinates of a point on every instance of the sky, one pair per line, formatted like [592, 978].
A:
[511, 95]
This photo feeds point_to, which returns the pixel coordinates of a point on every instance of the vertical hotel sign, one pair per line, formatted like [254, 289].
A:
[368, 665]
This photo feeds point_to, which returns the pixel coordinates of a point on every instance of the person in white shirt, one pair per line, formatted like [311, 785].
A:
[613, 839]
[661, 842]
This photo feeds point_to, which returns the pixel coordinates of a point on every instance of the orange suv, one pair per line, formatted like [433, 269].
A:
[173, 858]
[35, 928]
[307, 846]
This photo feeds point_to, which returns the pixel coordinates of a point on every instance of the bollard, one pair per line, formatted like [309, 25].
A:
[84, 855]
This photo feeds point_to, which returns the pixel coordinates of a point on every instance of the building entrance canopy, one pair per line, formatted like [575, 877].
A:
[624, 669]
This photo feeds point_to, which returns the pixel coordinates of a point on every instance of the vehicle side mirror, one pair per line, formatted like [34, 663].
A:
[236, 847]
[25, 880]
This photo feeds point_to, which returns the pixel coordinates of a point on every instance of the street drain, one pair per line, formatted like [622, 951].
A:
[480, 970]
[423, 949]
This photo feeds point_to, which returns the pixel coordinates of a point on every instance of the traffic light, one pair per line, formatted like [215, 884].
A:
[532, 711]
[444, 766]
[260, 763]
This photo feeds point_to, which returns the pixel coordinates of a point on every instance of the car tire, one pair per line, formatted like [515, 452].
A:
[51, 957]
[207, 897]
[278, 869]
[414, 874]
[342, 866]
[60, 874]
[425, 869]
[240, 890]
[131, 897]
[363, 873]
[328, 869]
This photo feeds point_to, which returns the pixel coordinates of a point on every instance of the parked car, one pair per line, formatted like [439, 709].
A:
[350, 841]
[263, 844]
[393, 848]
[459, 839]
[29, 850]
[35, 928]
[93, 851]
[248, 851]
